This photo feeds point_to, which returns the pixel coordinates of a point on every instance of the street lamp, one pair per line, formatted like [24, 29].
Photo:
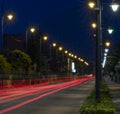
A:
[94, 25]
[66, 52]
[9, 17]
[60, 48]
[29, 30]
[32, 29]
[107, 44]
[91, 4]
[44, 38]
[106, 50]
[114, 6]
[53, 45]
[110, 30]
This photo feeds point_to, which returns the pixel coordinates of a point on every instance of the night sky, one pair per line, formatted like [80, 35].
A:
[65, 21]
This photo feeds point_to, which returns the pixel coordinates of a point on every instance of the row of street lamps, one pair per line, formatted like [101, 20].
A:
[32, 30]
[106, 50]
[60, 48]
[97, 7]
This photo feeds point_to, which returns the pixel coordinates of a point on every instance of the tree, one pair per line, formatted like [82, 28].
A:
[20, 60]
[113, 58]
[5, 67]
[116, 51]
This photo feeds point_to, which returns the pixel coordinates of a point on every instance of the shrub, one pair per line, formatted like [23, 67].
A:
[105, 106]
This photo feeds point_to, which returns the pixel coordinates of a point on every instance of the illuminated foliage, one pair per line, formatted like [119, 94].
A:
[5, 67]
[19, 60]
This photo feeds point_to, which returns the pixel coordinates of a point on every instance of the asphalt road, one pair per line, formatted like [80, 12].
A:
[61, 100]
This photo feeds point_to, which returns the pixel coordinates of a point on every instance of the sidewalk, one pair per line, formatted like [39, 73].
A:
[115, 93]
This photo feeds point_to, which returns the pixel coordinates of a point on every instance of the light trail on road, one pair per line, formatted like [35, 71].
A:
[27, 95]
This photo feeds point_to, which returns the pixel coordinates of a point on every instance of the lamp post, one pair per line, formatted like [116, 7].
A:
[9, 17]
[44, 38]
[31, 30]
[53, 45]
[98, 47]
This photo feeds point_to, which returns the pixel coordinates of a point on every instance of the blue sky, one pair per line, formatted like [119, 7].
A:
[65, 21]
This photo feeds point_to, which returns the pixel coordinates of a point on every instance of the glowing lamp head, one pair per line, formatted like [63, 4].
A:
[54, 44]
[32, 29]
[106, 50]
[69, 54]
[45, 38]
[10, 16]
[91, 4]
[75, 57]
[107, 44]
[105, 54]
[94, 25]
[60, 48]
[114, 6]
[66, 51]
[110, 30]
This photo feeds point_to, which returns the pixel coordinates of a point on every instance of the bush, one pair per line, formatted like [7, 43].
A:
[105, 106]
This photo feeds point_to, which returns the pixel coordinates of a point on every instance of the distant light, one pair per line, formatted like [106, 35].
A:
[107, 44]
[54, 44]
[106, 50]
[105, 54]
[66, 51]
[32, 29]
[69, 54]
[104, 62]
[75, 57]
[105, 57]
[86, 63]
[94, 35]
[81, 60]
[60, 48]
[114, 6]
[72, 55]
[45, 38]
[94, 25]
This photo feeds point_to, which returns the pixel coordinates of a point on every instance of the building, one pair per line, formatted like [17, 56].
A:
[14, 41]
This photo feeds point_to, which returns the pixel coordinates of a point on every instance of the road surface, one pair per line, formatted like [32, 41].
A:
[64, 98]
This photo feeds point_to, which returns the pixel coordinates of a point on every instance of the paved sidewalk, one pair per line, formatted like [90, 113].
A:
[115, 93]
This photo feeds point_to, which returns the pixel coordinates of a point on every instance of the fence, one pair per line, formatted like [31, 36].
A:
[11, 83]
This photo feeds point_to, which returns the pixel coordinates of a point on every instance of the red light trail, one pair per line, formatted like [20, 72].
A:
[34, 93]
